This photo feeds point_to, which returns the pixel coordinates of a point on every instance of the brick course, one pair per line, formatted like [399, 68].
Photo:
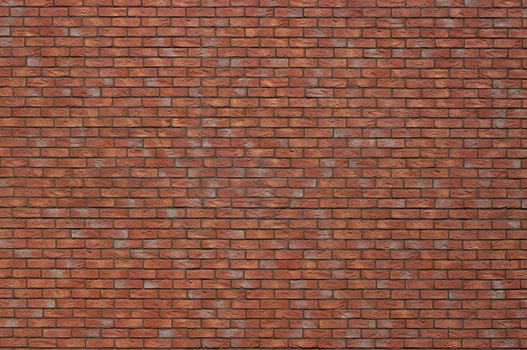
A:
[243, 174]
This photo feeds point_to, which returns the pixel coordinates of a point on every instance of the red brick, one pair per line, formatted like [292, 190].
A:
[262, 174]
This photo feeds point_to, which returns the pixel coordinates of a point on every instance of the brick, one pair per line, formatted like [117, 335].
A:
[262, 174]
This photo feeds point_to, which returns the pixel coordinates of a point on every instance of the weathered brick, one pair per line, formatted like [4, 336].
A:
[238, 174]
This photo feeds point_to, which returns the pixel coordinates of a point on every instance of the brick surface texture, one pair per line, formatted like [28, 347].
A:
[236, 174]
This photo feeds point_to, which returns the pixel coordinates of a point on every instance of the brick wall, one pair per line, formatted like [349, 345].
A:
[263, 174]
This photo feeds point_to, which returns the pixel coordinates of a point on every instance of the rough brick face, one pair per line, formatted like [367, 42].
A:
[263, 174]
